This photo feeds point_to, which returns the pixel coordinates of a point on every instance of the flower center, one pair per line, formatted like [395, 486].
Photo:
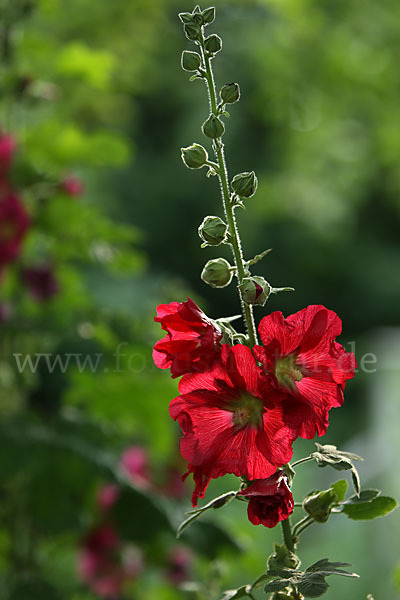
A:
[287, 371]
[247, 410]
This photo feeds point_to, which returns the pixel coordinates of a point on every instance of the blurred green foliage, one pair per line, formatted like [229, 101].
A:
[95, 88]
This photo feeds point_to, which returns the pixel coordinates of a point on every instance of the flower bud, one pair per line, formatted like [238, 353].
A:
[230, 93]
[213, 127]
[213, 231]
[194, 156]
[185, 17]
[208, 15]
[192, 31]
[217, 273]
[282, 558]
[245, 184]
[213, 44]
[319, 504]
[255, 290]
[190, 61]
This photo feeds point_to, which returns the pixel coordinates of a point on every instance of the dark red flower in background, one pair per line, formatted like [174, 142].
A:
[270, 500]
[72, 186]
[14, 223]
[302, 360]
[179, 563]
[232, 421]
[41, 282]
[192, 342]
[103, 564]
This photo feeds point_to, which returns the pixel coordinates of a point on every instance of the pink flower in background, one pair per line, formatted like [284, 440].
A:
[179, 563]
[107, 496]
[7, 150]
[5, 312]
[41, 282]
[72, 186]
[14, 223]
[103, 565]
[135, 463]
[173, 485]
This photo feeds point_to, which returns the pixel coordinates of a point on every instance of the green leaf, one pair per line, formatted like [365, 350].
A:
[313, 586]
[277, 585]
[196, 513]
[325, 568]
[237, 593]
[340, 488]
[139, 516]
[377, 507]
[365, 496]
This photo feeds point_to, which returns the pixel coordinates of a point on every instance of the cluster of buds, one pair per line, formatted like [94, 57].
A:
[215, 231]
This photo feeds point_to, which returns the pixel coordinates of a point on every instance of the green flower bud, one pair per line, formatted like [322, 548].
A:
[192, 31]
[208, 15]
[282, 558]
[217, 273]
[194, 156]
[190, 61]
[213, 44]
[255, 290]
[319, 504]
[213, 127]
[230, 93]
[245, 184]
[213, 231]
[186, 17]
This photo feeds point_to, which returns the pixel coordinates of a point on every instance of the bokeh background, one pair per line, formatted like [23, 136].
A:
[96, 103]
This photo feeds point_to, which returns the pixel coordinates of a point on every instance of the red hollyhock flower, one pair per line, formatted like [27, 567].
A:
[41, 282]
[232, 421]
[192, 341]
[14, 222]
[301, 359]
[270, 500]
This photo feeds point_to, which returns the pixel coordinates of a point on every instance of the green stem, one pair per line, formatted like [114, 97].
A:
[300, 523]
[302, 460]
[235, 242]
[287, 534]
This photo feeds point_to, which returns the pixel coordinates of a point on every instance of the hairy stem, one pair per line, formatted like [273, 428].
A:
[287, 534]
[226, 198]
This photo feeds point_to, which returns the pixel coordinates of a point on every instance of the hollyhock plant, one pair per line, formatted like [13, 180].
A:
[14, 223]
[192, 342]
[301, 358]
[242, 403]
[270, 500]
[41, 282]
[232, 420]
